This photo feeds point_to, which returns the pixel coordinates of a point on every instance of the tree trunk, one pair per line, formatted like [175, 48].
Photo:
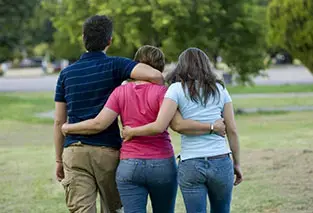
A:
[307, 61]
[309, 66]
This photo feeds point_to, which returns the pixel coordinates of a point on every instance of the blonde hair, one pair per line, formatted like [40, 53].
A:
[152, 56]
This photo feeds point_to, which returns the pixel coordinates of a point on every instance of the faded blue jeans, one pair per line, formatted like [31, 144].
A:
[138, 178]
[199, 178]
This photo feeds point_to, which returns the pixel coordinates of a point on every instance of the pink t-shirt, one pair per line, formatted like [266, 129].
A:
[139, 104]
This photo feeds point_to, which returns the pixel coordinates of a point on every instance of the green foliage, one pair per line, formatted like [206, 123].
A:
[38, 29]
[68, 17]
[13, 15]
[23, 24]
[219, 27]
[291, 25]
[41, 49]
[63, 47]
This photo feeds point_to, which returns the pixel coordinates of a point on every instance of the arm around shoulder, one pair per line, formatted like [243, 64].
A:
[146, 73]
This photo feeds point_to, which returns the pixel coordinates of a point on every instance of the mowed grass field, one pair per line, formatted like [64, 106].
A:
[287, 88]
[277, 156]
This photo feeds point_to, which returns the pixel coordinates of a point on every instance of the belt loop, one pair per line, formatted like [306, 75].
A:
[179, 158]
[78, 143]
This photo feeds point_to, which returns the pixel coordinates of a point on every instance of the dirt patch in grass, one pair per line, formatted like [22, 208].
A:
[288, 172]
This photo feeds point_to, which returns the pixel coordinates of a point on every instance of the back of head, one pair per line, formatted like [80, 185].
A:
[97, 33]
[152, 56]
[194, 71]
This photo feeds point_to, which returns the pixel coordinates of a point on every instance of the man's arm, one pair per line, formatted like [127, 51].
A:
[191, 127]
[144, 72]
[60, 119]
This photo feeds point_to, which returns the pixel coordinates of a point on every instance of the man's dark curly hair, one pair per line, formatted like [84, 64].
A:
[97, 32]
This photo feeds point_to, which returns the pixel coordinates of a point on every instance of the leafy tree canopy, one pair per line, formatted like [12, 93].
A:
[290, 27]
[227, 28]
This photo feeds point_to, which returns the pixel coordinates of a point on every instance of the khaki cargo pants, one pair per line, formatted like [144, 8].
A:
[89, 170]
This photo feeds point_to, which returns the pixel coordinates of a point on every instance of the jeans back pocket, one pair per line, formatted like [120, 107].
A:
[126, 171]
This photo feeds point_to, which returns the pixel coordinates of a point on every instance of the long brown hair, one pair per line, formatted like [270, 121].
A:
[194, 71]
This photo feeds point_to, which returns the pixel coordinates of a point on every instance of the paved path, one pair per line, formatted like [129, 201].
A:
[32, 79]
[43, 83]
[273, 95]
[285, 74]
[24, 72]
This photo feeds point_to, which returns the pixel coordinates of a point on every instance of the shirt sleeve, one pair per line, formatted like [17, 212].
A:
[60, 89]
[162, 93]
[227, 97]
[124, 67]
[112, 103]
[172, 92]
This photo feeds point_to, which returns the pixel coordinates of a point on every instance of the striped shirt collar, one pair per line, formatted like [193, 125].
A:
[93, 54]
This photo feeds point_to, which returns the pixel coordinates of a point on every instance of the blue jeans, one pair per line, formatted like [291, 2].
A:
[138, 178]
[198, 178]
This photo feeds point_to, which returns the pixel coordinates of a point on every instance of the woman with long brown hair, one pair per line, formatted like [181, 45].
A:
[205, 168]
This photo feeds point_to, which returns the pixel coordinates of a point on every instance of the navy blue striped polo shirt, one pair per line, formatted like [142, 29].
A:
[85, 87]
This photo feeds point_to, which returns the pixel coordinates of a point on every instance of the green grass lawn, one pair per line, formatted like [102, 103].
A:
[27, 165]
[272, 102]
[276, 160]
[270, 88]
[23, 106]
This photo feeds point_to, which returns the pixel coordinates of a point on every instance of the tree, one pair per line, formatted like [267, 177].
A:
[219, 27]
[14, 13]
[67, 17]
[38, 29]
[290, 27]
